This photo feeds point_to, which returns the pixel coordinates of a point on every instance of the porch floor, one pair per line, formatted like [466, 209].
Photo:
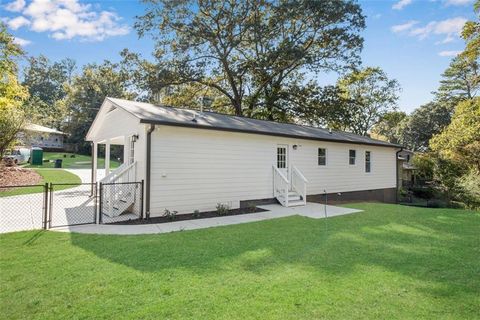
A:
[311, 210]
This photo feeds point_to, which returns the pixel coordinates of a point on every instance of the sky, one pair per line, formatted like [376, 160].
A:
[413, 41]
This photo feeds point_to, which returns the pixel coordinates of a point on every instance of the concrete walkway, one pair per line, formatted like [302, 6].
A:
[311, 210]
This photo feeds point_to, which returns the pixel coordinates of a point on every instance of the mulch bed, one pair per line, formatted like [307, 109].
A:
[16, 176]
[190, 216]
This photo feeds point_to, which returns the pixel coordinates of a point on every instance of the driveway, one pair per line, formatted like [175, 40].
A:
[70, 206]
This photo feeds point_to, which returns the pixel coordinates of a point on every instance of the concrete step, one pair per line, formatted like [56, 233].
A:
[296, 203]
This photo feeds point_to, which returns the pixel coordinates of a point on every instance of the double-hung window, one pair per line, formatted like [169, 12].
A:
[368, 162]
[352, 154]
[322, 156]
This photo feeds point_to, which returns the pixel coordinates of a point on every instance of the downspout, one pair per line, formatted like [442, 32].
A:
[396, 173]
[149, 163]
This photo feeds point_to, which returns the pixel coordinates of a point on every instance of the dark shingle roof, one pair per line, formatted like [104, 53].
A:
[155, 114]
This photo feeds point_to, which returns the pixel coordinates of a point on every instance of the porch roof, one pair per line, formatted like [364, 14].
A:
[156, 114]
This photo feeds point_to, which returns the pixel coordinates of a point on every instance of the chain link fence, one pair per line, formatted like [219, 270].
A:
[120, 201]
[72, 204]
[23, 207]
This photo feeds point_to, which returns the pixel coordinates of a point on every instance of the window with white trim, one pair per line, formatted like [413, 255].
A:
[352, 154]
[322, 156]
[368, 164]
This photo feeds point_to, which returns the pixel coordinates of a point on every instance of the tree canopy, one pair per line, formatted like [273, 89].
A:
[253, 53]
[12, 93]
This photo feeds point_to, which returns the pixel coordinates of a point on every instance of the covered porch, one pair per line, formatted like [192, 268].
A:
[127, 167]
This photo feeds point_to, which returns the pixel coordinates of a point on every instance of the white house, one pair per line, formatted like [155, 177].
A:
[194, 160]
[34, 135]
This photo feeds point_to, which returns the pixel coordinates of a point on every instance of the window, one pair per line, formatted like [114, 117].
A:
[352, 154]
[322, 156]
[281, 157]
[408, 158]
[367, 161]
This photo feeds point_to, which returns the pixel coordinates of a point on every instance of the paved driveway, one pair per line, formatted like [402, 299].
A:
[70, 206]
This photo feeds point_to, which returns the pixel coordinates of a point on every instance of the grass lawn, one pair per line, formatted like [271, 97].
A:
[79, 162]
[388, 262]
[48, 175]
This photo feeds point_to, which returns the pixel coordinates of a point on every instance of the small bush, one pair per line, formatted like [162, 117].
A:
[196, 214]
[170, 215]
[222, 209]
[436, 204]
[423, 193]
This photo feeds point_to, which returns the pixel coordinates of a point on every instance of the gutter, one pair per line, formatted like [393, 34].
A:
[149, 164]
[396, 173]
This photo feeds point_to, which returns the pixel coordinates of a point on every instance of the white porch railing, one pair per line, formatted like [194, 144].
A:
[117, 195]
[124, 173]
[281, 186]
[299, 183]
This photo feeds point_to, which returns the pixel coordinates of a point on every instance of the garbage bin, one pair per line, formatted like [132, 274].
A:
[58, 163]
[36, 156]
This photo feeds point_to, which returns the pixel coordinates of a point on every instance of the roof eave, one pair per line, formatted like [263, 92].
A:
[197, 126]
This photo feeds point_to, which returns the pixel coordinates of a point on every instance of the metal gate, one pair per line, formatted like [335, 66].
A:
[120, 202]
[72, 204]
[30, 207]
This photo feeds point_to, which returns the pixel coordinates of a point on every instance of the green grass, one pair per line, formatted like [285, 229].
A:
[388, 262]
[48, 176]
[79, 162]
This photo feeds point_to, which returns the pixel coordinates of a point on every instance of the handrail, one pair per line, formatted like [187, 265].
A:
[281, 186]
[301, 186]
[117, 173]
[280, 174]
[300, 174]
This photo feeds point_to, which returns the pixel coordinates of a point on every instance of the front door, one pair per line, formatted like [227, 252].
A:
[282, 159]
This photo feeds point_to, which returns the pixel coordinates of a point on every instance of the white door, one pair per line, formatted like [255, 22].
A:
[282, 159]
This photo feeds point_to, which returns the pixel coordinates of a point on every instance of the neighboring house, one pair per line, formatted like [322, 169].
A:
[191, 160]
[34, 135]
[406, 169]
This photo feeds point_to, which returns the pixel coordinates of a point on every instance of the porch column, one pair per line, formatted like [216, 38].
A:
[107, 157]
[94, 161]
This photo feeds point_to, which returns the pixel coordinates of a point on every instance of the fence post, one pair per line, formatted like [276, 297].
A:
[141, 199]
[45, 201]
[100, 211]
[51, 206]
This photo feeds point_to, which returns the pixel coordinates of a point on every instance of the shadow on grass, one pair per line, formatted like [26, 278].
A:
[432, 245]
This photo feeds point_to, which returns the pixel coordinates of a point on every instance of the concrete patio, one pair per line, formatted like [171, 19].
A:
[311, 210]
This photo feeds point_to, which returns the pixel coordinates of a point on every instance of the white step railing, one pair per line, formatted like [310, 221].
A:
[281, 186]
[299, 183]
[118, 196]
[124, 173]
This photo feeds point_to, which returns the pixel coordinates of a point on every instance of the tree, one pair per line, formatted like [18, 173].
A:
[460, 81]
[371, 95]
[416, 130]
[460, 140]
[388, 127]
[251, 52]
[12, 94]
[46, 83]
[471, 34]
[86, 93]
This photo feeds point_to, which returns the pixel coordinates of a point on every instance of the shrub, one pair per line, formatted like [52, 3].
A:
[196, 214]
[470, 189]
[423, 193]
[170, 215]
[222, 209]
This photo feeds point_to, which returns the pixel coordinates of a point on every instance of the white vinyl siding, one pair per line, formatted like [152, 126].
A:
[196, 169]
